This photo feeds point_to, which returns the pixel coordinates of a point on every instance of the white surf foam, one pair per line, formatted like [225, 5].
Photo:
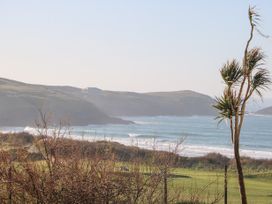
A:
[152, 143]
[133, 135]
[183, 150]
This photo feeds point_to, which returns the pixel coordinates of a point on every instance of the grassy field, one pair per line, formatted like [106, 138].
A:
[206, 184]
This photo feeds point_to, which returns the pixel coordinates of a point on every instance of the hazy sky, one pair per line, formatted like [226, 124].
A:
[139, 45]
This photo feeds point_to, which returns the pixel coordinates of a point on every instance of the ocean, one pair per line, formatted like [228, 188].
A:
[196, 135]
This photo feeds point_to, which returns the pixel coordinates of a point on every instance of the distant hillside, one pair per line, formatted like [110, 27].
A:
[265, 111]
[179, 103]
[20, 103]
[256, 105]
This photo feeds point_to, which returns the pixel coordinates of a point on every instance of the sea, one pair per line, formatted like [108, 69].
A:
[188, 136]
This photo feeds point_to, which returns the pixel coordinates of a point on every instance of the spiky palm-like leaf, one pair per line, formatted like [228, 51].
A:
[231, 72]
[254, 17]
[226, 105]
[255, 58]
[260, 81]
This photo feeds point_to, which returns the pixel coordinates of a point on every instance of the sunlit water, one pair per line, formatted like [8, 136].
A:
[200, 135]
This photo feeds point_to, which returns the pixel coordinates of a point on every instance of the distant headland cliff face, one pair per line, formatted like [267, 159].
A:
[20, 104]
[265, 111]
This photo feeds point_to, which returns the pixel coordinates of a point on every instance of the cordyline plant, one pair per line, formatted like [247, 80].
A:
[242, 81]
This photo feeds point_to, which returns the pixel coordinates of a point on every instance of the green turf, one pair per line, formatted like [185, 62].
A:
[192, 183]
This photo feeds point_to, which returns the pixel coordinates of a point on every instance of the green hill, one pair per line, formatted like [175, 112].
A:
[20, 104]
[179, 103]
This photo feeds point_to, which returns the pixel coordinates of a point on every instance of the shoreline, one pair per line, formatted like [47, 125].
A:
[17, 143]
[184, 150]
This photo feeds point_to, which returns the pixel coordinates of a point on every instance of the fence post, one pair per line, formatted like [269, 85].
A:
[226, 185]
[10, 184]
[165, 197]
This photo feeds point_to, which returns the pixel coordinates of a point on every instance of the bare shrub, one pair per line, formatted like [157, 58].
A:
[61, 170]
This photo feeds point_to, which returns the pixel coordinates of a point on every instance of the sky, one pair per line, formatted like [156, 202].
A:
[125, 45]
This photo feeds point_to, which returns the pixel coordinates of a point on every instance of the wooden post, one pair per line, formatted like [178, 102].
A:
[10, 185]
[165, 199]
[226, 185]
